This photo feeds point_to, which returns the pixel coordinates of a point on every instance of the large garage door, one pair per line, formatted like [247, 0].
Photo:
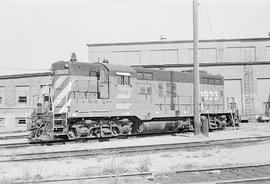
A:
[240, 54]
[126, 57]
[164, 56]
[232, 88]
[263, 92]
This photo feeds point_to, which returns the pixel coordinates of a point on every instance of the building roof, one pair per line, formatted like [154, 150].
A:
[257, 62]
[180, 41]
[42, 74]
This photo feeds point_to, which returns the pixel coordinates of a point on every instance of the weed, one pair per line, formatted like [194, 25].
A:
[13, 156]
[90, 171]
[188, 166]
[166, 155]
[26, 174]
[206, 154]
[144, 164]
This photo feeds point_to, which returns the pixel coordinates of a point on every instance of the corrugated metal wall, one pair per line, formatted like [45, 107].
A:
[248, 84]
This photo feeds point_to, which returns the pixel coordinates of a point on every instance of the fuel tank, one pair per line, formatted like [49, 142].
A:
[161, 126]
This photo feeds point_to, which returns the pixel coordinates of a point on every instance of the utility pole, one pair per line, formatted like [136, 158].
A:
[196, 85]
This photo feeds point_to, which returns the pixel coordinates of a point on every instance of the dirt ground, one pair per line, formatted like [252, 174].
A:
[156, 162]
[165, 161]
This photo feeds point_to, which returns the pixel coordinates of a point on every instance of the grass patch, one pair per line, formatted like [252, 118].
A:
[114, 167]
[7, 180]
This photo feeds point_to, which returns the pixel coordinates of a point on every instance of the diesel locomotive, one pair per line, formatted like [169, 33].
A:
[102, 99]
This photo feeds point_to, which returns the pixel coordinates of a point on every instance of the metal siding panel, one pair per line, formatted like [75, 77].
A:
[156, 57]
[267, 52]
[133, 57]
[240, 54]
[126, 57]
[263, 92]
[164, 56]
[171, 56]
[119, 58]
[208, 55]
[2, 95]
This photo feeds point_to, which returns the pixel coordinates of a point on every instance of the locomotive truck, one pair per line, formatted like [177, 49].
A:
[102, 99]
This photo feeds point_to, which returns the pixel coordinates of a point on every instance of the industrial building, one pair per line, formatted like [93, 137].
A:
[18, 94]
[244, 63]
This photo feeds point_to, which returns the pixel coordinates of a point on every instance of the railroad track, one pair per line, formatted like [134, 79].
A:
[258, 173]
[127, 149]
[8, 137]
[14, 145]
[27, 143]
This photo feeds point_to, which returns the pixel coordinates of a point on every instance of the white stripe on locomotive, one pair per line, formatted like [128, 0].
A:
[59, 82]
[64, 108]
[63, 94]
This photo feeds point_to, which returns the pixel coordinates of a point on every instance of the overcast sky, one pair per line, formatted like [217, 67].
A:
[36, 33]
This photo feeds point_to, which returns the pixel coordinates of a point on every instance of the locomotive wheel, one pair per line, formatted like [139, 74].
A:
[190, 127]
[95, 132]
[115, 131]
[71, 134]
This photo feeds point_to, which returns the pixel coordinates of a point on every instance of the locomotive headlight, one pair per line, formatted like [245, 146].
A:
[66, 65]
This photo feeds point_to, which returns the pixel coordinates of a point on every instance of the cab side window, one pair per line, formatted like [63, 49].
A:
[123, 80]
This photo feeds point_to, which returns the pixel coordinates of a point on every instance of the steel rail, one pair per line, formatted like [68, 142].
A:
[145, 174]
[127, 149]
[12, 137]
[249, 180]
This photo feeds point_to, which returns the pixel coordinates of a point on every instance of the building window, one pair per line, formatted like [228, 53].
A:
[21, 120]
[22, 99]
[22, 94]
[1, 96]
[2, 121]
[46, 98]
